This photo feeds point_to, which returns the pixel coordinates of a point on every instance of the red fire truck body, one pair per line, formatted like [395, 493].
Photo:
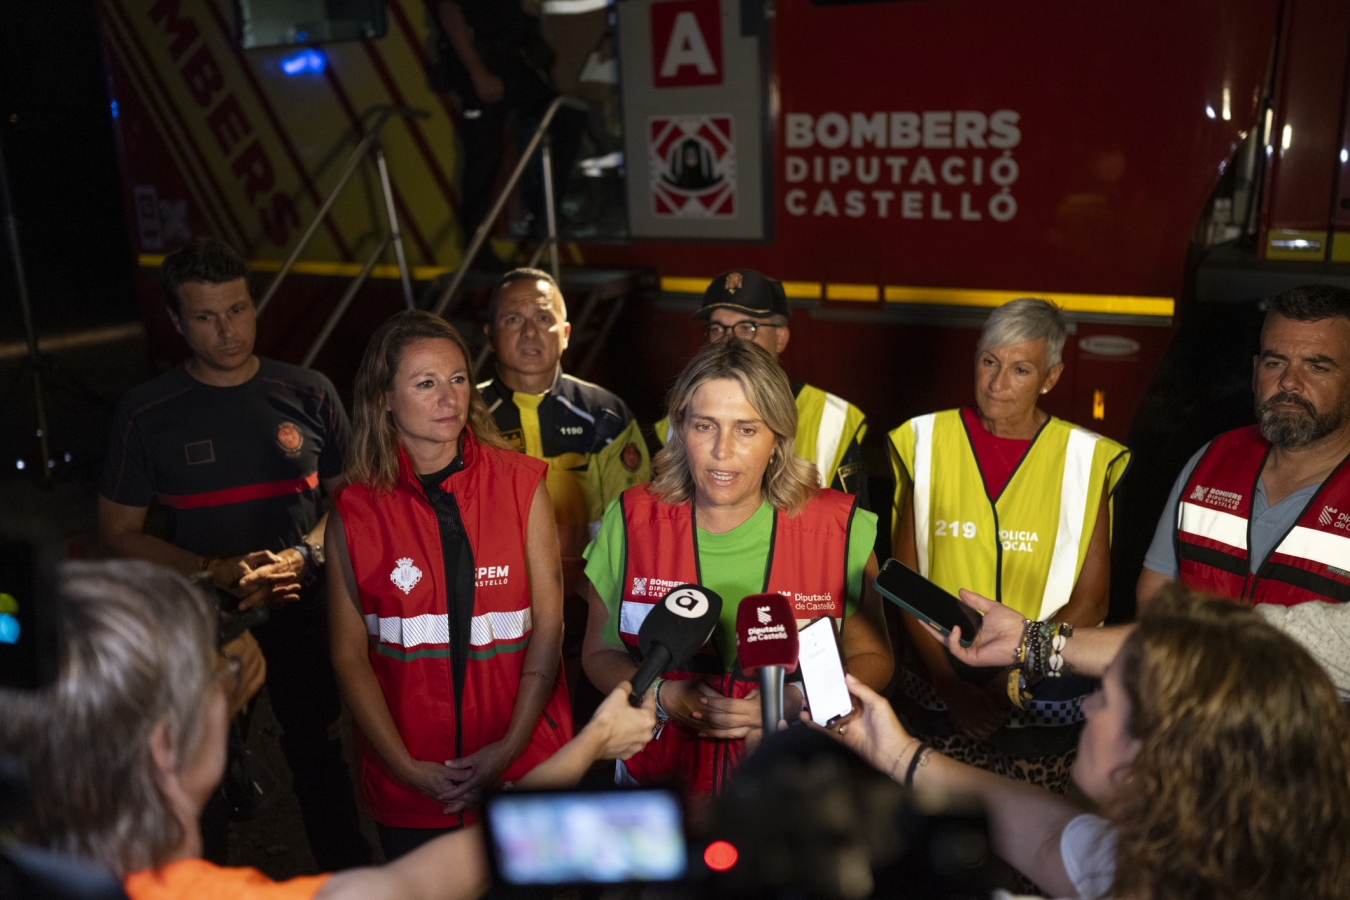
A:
[921, 163]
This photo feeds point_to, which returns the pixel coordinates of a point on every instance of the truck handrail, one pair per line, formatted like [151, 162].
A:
[392, 236]
[480, 236]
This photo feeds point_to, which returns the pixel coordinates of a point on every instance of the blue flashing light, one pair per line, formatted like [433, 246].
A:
[9, 629]
[304, 61]
[1209, 111]
[114, 109]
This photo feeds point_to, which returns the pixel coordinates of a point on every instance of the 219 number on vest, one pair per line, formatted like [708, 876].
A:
[955, 528]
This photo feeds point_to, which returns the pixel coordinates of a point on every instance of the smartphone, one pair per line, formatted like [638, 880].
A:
[823, 672]
[569, 838]
[919, 596]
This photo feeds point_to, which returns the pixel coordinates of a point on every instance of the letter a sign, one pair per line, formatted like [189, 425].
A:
[687, 43]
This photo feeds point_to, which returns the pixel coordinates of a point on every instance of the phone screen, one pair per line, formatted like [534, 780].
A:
[823, 672]
[920, 597]
[566, 838]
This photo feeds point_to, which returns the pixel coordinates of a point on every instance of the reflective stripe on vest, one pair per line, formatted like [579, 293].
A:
[1073, 497]
[1025, 549]
[833, 417]
[417, 631]
[632, 614]
[1311, 561]
[1328, 549]
[923, 486]
[1214, 524]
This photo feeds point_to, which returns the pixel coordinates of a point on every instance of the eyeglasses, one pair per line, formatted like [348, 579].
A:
[745, 330]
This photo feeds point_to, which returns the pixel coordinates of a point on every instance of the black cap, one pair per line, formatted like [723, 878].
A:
[744, 290]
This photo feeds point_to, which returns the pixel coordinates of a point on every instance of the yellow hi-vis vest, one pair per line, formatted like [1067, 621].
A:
[1024, 548]
[826, 425]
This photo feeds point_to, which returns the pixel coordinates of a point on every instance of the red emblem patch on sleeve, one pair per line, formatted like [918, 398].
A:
[289, 439]
[631, 458]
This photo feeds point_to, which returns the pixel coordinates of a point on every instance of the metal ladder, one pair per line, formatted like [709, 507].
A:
[480, 236]
[391, 234]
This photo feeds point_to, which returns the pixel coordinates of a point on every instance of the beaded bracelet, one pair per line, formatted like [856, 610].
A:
[1017, 682]
[1040, 653]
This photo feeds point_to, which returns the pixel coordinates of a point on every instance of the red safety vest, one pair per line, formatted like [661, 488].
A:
[808, 563]
[1213, 527]
[395, 548]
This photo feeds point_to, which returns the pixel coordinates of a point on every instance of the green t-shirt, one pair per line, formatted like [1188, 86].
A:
[732, 564]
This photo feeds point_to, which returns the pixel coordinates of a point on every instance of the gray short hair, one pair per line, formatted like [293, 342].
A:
[137, 648]
[1026, 319]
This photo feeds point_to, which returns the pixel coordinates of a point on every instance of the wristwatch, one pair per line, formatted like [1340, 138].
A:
[314, 560]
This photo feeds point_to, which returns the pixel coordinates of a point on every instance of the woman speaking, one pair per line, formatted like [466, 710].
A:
[447, 618]
[1014, 504]
[1216, 755]
[734, 509]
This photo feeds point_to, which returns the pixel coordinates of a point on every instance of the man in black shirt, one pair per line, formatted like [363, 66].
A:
[494, 56]
[235, 447]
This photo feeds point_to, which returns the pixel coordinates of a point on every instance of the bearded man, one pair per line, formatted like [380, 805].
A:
[1262, 514]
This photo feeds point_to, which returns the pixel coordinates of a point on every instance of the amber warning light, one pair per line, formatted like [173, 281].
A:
[720, 856]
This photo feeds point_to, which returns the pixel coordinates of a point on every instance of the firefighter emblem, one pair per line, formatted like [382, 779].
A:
[289, 439]
[692, 166]
[405, 575]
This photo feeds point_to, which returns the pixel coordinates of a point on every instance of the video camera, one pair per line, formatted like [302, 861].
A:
[539, 842]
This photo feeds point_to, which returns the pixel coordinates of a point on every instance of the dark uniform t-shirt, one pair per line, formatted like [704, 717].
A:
[236, 468]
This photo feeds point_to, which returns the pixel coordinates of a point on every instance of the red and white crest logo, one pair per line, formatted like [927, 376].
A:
[692, 166]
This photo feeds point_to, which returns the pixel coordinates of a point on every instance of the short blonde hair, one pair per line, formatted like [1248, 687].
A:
[374, 454]
[790, 481]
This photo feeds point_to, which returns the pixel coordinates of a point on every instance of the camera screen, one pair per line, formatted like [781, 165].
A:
[587, 838]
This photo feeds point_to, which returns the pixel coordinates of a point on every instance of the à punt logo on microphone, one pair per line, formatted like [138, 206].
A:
[689, 603]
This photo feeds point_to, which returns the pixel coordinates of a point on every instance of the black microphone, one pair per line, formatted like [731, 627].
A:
[678, 625]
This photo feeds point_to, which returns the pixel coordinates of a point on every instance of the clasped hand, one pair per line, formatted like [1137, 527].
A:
[704, 710]
[460, 783]
[261, 577]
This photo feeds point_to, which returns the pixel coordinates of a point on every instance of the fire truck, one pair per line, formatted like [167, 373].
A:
[1154, 167]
